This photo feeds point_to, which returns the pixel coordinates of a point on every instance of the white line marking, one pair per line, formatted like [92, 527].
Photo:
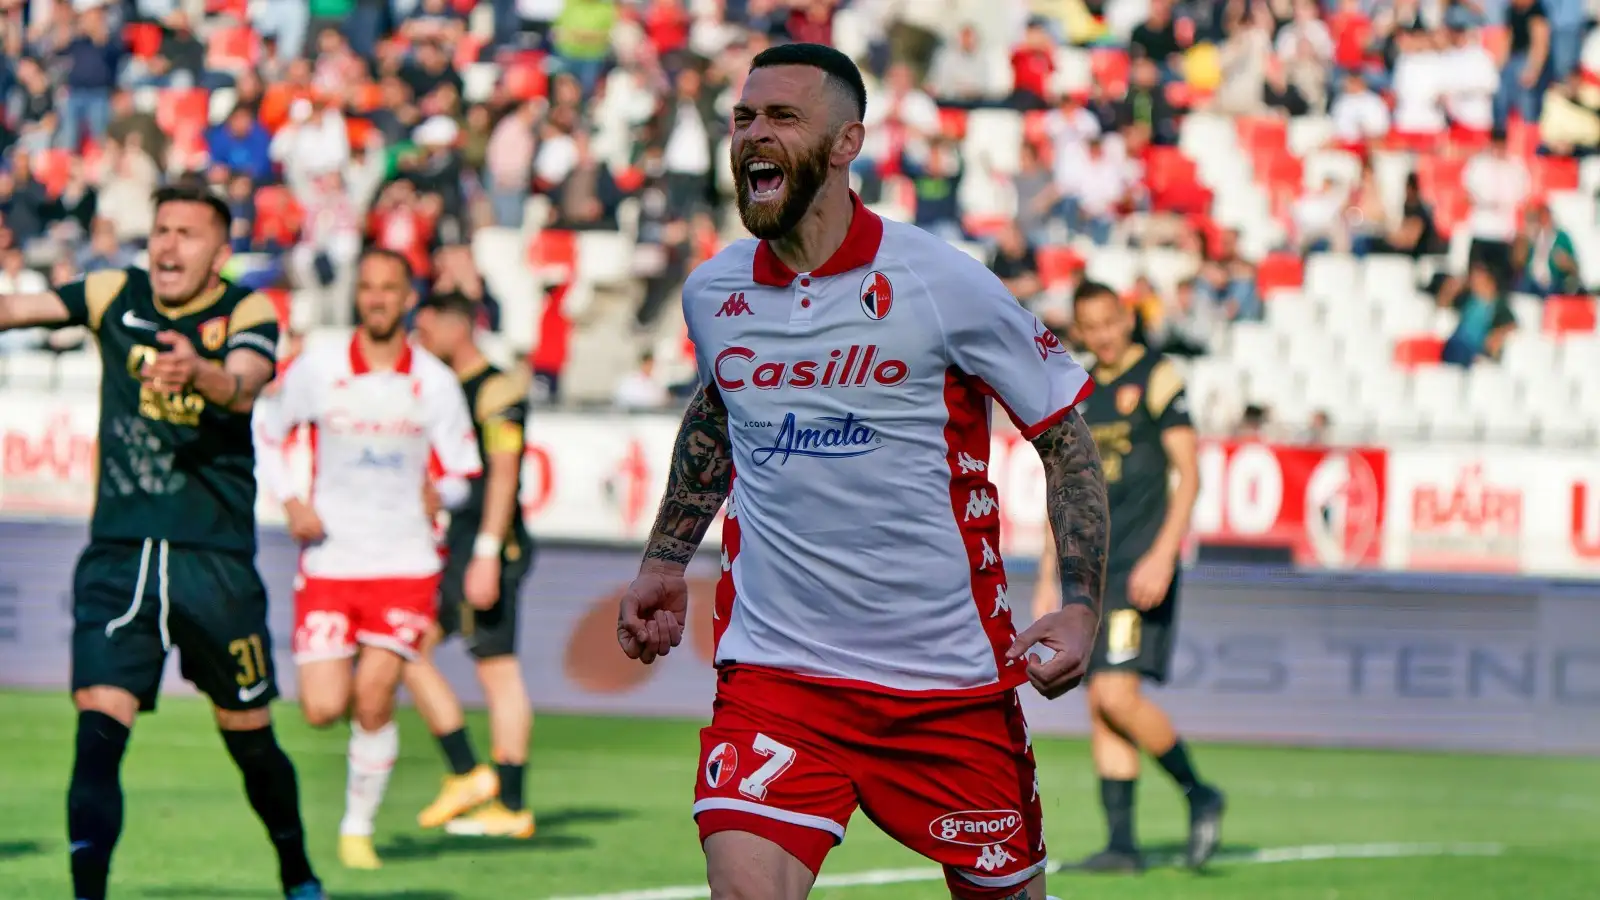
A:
[1265, 856]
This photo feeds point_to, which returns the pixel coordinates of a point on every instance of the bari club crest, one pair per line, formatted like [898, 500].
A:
[721, 765]
[877, 295]
[214, 333]
[1128, 397]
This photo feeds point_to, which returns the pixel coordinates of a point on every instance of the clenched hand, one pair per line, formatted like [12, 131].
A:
[651, 617]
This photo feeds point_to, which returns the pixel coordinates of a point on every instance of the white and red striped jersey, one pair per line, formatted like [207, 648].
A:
[862, 534]
[373, 433]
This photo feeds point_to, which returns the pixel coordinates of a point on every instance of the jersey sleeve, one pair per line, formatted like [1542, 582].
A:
[450, 431]
[254, 326]
[272, 423]
[502, 412]
[88, 298]
[1021, 363]
[1167, 397]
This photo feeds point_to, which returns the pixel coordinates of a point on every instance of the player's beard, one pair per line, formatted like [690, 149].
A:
[801, 183]
[382, 332]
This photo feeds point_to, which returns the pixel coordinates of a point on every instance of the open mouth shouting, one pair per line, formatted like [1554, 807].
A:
[167, 275]
[765, 179]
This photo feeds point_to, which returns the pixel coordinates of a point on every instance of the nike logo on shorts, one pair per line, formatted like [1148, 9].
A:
[132, 321]
[251, 693]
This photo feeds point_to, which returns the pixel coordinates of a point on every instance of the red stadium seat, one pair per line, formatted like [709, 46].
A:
[1565, 315]
[984, 225]
[953, 122]
[280, 302]
[53, 168]
[1279, 272]
[525, 79]
[555, 254]
[277, 216]
[232, 48]
[1553, 173]
[1109, 68]
[178, 109]
[1422, 350]
[143, 39]
[1437, 174]
[468, 48]
[1058, 266]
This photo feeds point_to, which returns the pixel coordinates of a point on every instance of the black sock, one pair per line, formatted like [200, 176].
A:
[1176, 762]
[1117, 797]
[274, 792]
[458, 751]
[511, 785]
[94, 802]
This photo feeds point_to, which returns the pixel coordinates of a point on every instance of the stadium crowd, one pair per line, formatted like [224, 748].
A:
[417, 124]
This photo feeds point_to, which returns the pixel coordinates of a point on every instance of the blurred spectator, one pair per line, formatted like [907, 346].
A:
[1471, 80]
[900, 119]
[324, 262]
[286, 22]
[508, 164]
[1032, 65]
[582, 39]
[1485, 317]
[1316, 433]
[1244, 60]
[403, 221]
[135, 129]
[1146, 104]
[937, 182]
[1360, 117]
[1280, 95]
[641, 388]
[23, 200]
[588, 198]
[1037, 196]
[1498, 184]
[1184, 327]
[962, 74]
[1227, 282]
[242, 144]
[1014, 264]
[1099, 186]
[1368, 218]
[456, 273]
[1419, 86]
[90, 59]
[1416, 234]
[313, 141]
[1162, 38]
[1545, 257]
[1525, 71]
[103, 251]
[1305, 49]
[31, 107]
[688, 126]
[1319, 218]
[69, 214]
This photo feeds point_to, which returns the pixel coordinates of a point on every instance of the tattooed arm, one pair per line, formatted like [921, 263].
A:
[1080, 519]
[697, 483]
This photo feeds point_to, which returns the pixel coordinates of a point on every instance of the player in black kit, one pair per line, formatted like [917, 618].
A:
[1140, 420]
[489, 554]
[171, 555]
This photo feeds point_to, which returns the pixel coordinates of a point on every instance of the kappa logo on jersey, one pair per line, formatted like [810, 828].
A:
[980, 504]
[214, 333]
[837, 437]
[993, 858]
[721, 765]
[976, 827]
[737, 368]
[877, 295]
[1045, 340]
[989, 556]
[735, 305]
[969, 464]
[1002, 603]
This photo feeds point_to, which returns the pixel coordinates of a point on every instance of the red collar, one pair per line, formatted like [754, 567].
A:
[859, 249]
[360, 366]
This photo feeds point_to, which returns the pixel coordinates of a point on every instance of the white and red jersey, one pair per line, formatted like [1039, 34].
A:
[862, 534]
[373, 433]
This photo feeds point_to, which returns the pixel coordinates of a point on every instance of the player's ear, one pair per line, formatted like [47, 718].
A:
[847, 144]
[219, 260]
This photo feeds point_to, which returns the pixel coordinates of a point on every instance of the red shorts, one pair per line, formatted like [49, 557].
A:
[789, 759]
[333, 615]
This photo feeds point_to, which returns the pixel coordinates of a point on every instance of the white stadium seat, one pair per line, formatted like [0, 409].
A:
[79, 371]
[30, 370]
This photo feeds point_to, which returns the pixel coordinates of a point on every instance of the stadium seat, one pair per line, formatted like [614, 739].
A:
[143, 39]
[1109, 68]
[994, 136]
[1569, 314]
[1450, 421]
[525, 78]
[53, 169]
[1058, 266]
[1279, 272]
[1580, 356]
[953, 122]
[603, 257]
[1418, 350]
[277, 216]
[478, 81]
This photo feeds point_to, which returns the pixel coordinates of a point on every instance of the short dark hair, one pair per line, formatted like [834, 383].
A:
[453, 302]
[833, 64]
[1091, 290]
[194, 191]
[376, 252]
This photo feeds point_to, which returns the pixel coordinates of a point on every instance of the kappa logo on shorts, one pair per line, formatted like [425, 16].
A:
[993, 858]
[721, 765]
[976, 827]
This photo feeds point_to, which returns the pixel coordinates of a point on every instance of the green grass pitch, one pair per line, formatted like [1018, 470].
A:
[613, 800]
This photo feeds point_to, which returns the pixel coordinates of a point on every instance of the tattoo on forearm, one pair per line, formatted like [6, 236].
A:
[698, 482]
[1019, 895]
[1076, 505]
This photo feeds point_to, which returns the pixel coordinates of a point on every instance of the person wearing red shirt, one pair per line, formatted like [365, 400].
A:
[1032, 64]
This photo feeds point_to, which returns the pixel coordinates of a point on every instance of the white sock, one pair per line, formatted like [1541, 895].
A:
[372, 755]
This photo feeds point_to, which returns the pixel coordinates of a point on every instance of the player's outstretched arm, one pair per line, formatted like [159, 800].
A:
[236, 382]
[1076, 505]
[31, 310]
[698, 481]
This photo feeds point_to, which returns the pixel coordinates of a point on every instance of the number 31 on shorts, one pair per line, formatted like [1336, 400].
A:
[722, 765]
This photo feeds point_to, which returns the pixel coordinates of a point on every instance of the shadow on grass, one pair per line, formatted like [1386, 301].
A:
[19, 849]
[1170, 856]
[549, 837]
[186, 892]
